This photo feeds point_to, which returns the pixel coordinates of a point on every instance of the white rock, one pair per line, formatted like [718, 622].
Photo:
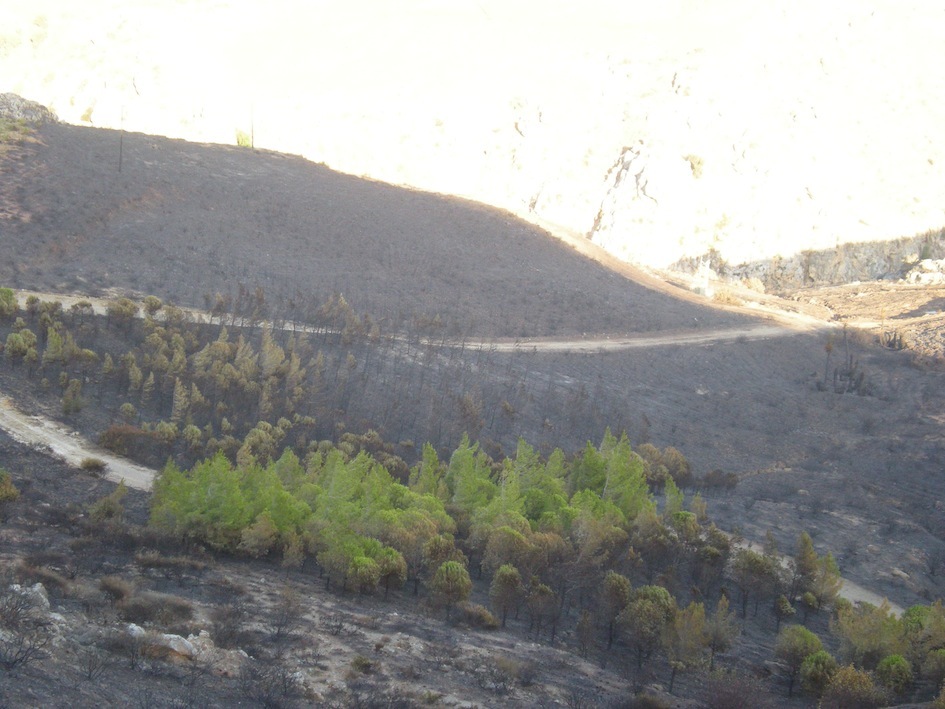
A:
[36, 593]
[177, 644]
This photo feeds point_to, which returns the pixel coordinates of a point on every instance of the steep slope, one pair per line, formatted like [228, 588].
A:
[185, 221]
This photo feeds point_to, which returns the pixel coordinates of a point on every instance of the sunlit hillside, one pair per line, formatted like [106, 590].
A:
[661, 130]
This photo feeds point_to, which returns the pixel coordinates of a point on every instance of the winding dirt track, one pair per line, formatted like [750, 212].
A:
[666, 338]
[67, 444]
[775, 324]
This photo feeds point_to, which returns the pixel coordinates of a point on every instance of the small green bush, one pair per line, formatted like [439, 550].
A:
[14, 131]
[244, 139]
[816, 672]
[8, 304]
[362, 664]
[933, 668]
[8, 491]
[128, 412]
[110, 507]
[895, 673]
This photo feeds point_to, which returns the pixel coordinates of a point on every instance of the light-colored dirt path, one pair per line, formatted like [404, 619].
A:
[99, 305]
[853, 592]
[664, 338]
[774, 325]
[64, 443]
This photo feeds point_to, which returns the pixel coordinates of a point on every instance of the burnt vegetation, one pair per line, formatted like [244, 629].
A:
[599, 553]
[363, 502]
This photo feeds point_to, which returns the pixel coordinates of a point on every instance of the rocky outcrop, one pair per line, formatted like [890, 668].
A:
[912, 259]
[17, 108]
[225, 662]
[928, 272]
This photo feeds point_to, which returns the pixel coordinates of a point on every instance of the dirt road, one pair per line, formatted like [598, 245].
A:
[596, 343]
[64, 443]
[785, 324]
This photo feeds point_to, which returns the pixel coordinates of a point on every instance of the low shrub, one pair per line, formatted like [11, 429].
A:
[850, 687]
[724, 297]
[476, 616]
[720, 479]
[93, 466]
[158, 608]
[939, 701]
[362, 664]
[145, 446]
[52, 580]
[8, 491]
[228, 620]
[500, 674]
[115, 588]
[151, 559]
[894, 672]
[109, 508]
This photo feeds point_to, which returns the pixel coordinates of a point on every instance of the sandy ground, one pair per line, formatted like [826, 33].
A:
[853, 592]
[68, 445]
[661, 130]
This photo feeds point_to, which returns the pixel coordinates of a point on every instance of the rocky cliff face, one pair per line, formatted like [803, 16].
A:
[662, 133]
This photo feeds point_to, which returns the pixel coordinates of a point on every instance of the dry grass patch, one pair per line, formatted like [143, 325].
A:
[158, 608]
